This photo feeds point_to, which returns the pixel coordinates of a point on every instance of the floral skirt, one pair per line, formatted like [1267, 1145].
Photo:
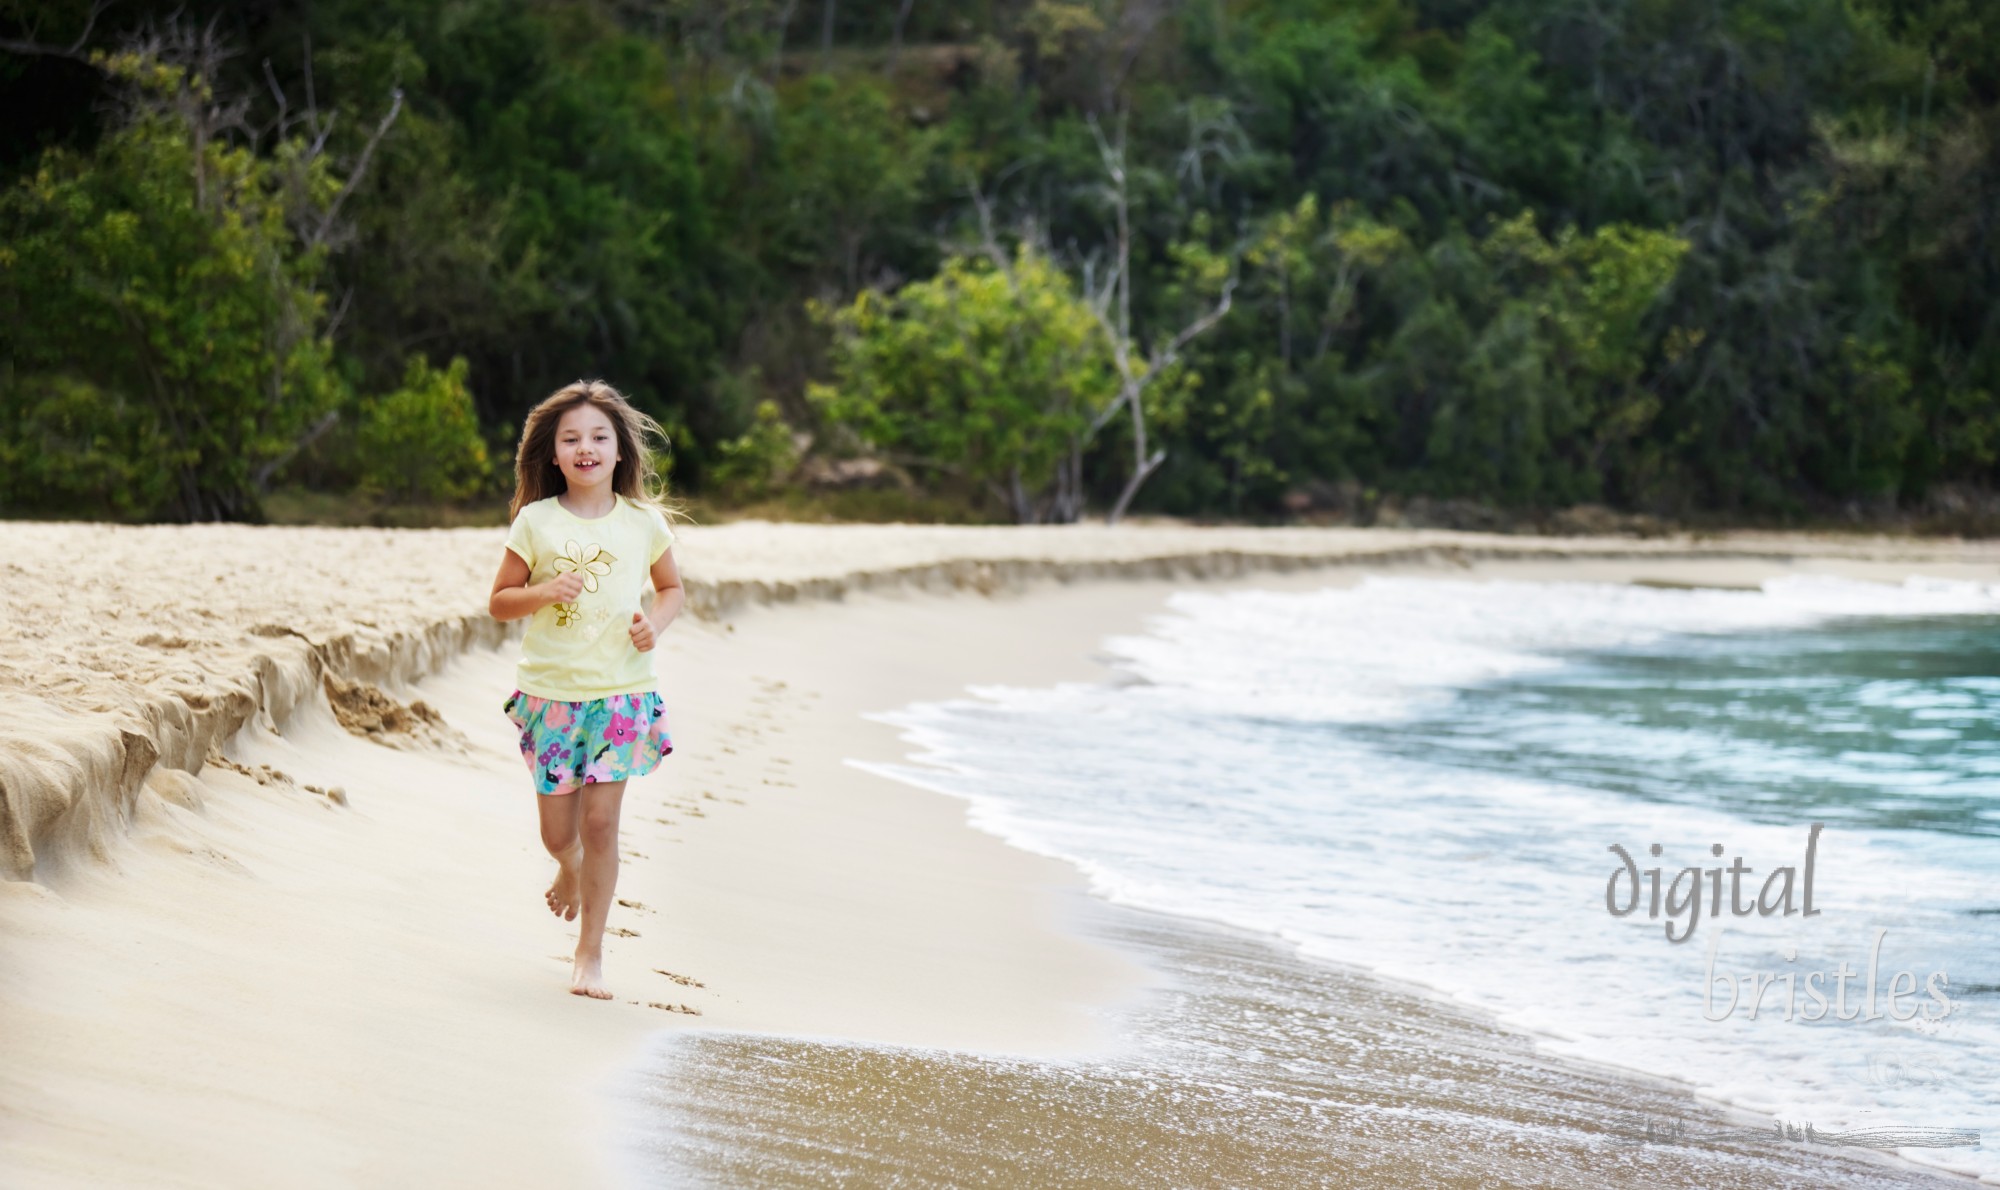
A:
[572, 744]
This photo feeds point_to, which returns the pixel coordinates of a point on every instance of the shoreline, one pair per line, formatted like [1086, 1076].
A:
[702, 1107]
[1649, 1090]
[108, 984]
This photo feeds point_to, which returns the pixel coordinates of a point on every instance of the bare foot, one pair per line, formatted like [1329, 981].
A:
[587, 978]
[563, 898]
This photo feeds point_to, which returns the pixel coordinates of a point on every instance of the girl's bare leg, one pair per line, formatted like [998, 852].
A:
[599, 834]
[561, 815]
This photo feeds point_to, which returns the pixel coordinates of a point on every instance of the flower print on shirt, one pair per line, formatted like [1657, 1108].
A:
[592, 562]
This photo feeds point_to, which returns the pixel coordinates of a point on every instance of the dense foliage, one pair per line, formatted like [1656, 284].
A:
[1735, 257]
[988, 374]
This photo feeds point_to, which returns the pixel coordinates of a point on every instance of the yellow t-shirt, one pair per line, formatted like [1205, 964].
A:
[579, 651]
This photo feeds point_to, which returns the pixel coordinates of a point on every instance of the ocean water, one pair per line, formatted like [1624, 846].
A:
[1424, 779]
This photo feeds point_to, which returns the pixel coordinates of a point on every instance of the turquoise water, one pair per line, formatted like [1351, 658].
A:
[1869, 723]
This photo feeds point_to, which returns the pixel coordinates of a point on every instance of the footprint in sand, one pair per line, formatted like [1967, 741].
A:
[686, 981]
[638, 905]
[622, 932]
[681, 1008]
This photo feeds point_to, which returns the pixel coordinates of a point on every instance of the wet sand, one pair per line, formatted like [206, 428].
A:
[1248, 1066]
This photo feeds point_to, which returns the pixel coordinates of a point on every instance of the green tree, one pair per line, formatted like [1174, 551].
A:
[1526, 354]
[985, 374]
[422, 442]
[163, 345]
[750, 465]
[847, 182]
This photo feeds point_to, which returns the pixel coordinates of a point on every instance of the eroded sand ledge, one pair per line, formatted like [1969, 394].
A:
[129, 651]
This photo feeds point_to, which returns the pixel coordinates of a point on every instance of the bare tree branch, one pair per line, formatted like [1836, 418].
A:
[1141, 19]
[989, 243]
[896, 36]
[1131, 489]
[778, 47]
[265, 470]
[1113, 157]
[354, 175]
[73, 51]
[339, 314]
[1118, 286]
[1199, 325]
[281, 124]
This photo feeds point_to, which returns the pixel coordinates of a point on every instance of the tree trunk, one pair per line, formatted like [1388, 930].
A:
[1285, 318]
[1142, 466]
[896, 39]
[1024, 512]
[1068, 508]
[778, 49]
[1132, 486]
[1133, 386]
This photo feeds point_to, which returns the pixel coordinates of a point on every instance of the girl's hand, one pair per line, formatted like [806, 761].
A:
[643, 636]
[516, 596]
[564, 588]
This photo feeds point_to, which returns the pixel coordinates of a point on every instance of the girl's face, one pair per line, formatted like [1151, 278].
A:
[586, 447]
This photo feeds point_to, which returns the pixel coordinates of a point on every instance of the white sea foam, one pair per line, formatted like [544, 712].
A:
[1233, 778]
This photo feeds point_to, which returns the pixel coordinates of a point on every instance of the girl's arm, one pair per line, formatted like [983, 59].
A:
[667, 602]
[514, 599]
[669, 598]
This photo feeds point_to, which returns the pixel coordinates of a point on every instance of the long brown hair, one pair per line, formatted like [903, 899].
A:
[536, 477]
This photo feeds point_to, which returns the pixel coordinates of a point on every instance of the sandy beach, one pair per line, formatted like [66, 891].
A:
[272, 902]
